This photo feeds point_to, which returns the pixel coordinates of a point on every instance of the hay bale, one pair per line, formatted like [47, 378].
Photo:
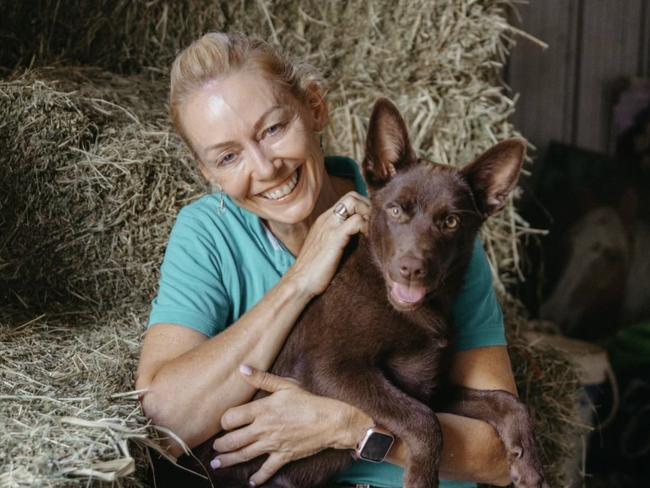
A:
[61, 423]
[91, 179]
[123, 36]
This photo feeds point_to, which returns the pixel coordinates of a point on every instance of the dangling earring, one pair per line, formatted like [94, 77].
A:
[321, 143]
[222, 207]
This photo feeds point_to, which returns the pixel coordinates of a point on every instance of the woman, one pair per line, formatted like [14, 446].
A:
[242, 264]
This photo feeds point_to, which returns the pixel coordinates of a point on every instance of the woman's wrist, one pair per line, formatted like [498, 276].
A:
[298, 284]
[351, 427]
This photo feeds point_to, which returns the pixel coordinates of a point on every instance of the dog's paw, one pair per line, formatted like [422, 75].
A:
[525, 468]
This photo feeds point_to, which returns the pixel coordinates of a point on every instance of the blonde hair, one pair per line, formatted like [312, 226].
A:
[216, 55]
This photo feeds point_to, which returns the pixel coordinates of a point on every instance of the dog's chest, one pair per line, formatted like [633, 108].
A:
[416, 361]
[359, 328]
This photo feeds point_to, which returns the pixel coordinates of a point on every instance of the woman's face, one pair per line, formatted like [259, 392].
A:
[259, 144]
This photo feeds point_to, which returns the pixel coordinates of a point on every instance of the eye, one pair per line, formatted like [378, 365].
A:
[274, 129]
[227, 159]
[395, 211]
[451, 222]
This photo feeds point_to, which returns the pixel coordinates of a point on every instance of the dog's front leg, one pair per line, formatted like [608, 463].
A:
[411, 421]
[512, 421]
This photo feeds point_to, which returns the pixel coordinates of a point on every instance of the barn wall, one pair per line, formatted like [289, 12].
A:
[567, 91]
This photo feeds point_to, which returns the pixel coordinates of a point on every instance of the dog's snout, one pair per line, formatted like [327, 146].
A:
[411, 268]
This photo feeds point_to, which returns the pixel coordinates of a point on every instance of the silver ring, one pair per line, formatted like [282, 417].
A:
[341, 211]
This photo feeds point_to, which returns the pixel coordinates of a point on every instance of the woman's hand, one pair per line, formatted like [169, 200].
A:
[290, 424]
[322, 250]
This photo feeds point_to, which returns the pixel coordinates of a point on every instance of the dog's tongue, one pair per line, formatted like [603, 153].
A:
[408, 294]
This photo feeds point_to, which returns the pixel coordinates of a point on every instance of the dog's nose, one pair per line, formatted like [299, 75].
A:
[411, 268]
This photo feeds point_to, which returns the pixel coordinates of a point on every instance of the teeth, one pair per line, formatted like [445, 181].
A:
[283, 190]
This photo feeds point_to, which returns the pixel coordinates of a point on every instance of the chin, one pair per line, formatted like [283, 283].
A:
[291, 216]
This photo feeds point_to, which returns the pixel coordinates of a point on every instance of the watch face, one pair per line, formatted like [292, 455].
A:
[376, 447]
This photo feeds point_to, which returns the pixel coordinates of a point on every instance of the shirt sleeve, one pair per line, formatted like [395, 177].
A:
[477, 314]
[191, 291]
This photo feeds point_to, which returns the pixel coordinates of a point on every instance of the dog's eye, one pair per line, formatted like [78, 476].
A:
[452, 222]
[395, 211]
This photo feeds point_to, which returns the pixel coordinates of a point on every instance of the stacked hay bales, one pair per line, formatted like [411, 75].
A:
[91, 178]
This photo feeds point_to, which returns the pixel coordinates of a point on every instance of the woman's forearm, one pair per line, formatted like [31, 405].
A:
[190, 393]
[472, 451]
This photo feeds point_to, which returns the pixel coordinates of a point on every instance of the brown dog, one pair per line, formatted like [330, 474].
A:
[378, 337]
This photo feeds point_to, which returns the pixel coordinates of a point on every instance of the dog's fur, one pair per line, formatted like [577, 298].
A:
[361, 343]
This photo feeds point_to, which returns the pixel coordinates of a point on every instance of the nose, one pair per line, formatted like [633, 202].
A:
[263, 166]
[411, 268]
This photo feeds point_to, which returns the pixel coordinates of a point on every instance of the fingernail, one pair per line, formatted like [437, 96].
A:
[245, 369]
[215, 463]
[251, 483]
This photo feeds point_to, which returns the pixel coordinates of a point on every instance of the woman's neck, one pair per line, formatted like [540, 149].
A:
[294, 235]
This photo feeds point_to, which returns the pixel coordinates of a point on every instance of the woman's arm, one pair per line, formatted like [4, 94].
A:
[191, 380]
[472, 450]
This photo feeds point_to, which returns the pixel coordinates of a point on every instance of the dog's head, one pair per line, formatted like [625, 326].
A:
[425, 216]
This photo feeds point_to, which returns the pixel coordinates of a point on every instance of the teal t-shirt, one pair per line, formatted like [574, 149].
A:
[219, 264]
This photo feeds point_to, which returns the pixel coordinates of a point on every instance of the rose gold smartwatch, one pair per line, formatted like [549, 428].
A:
[374, 445]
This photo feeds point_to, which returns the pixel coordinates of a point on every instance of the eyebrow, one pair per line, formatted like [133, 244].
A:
[256, 128]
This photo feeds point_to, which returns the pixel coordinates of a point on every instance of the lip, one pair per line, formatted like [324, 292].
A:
[399, 304]
[290, 196]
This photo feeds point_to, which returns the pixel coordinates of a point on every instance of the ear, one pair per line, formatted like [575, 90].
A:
[388, 149]
[494, 174]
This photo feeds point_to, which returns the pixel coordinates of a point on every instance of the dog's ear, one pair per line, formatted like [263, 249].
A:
[494, 174]
[388, 149]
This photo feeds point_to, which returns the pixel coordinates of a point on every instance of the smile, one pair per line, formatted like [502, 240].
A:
[283, 189]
